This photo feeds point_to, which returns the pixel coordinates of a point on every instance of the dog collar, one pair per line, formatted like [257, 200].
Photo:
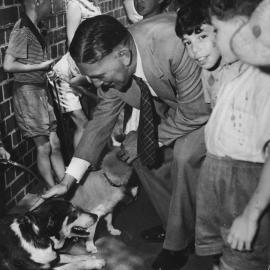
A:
[111, 182]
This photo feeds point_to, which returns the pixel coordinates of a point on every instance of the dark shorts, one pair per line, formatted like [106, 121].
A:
[224, 189]
[33, 111]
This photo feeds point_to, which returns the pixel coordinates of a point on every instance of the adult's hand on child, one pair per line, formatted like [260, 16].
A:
[4, 153]
[242, 233]
[128, 151]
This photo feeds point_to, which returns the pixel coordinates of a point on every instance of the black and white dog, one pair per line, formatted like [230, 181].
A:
[31, 241]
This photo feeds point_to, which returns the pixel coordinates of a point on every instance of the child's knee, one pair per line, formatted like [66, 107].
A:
[55, 143]
[44, 148]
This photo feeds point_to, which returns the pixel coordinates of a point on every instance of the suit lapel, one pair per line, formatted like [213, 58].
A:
[158, 80]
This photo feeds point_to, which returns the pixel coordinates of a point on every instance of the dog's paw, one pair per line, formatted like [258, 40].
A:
[90, 247]
[114, 231]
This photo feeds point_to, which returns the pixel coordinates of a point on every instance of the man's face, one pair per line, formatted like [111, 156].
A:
[202, 47]
[109, 72]
[224, 32]
[147, 8]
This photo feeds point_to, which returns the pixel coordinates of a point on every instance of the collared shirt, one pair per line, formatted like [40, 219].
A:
[212, 81]
[239, 124]
[27, 45]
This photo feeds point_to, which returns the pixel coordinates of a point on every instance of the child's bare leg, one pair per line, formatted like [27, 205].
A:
[80, 120]
[56, 156]
[43, 159]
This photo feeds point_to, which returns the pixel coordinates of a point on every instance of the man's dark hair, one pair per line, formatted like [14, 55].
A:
[97, 37]
[191, 16]
[227, 9]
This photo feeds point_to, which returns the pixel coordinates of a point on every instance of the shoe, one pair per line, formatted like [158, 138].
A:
[155, 234]
[170, 260]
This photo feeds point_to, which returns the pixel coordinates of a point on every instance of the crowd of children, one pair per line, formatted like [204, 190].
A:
[228, 39]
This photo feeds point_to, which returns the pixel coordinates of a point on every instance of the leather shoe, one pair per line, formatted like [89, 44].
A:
[170, 260]
[155, 234]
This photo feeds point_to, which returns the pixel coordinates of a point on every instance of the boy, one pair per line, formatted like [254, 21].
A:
[143, 9]
[193, 26]
[233, 190]
[26, 57]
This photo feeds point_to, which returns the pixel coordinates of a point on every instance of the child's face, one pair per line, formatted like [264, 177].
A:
[147, 8]
[225, 30]
[202, 47]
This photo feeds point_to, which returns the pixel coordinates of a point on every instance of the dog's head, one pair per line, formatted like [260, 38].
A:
[42, 230]
[58, 218]
[117, 170]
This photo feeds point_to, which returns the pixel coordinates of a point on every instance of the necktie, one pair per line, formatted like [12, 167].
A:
[147, 143]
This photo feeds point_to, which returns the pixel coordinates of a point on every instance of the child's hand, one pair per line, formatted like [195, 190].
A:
[4, 153]
[46, 65]
[242, 233]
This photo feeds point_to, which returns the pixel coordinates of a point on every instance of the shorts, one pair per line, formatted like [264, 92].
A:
[33, 112]
[225, 187]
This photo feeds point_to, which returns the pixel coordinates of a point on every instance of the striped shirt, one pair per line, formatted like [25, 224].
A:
[27, 45]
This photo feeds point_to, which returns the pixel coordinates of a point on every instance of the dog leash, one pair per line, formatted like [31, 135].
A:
[16, 164]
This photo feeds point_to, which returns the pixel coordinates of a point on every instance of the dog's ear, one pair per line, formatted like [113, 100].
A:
[28, 224]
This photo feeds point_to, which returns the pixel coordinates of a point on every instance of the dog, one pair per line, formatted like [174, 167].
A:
[103, 190]
[31, 241]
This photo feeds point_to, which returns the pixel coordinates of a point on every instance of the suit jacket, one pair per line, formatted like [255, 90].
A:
[174, 77]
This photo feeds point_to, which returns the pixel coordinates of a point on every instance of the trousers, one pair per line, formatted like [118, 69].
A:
[172, 187]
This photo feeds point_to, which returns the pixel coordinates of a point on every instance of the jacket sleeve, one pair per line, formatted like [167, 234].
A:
[98, 130]
[192, 112]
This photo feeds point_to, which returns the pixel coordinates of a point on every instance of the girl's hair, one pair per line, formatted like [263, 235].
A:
[191, 17]
[227, 9]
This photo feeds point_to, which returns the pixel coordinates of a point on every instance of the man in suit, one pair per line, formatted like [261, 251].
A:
[110, 55]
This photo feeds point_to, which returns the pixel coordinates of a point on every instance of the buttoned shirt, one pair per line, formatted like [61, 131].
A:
[239, 124]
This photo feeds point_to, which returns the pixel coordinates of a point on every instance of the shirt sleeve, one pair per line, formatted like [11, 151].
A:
[192, 112]
[18, 43]
[77, 168]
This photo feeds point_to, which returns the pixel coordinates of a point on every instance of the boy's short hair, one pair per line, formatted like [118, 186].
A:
[191, 17]
[227, 9]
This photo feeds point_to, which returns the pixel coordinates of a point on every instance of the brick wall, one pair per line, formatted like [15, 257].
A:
[14, 183]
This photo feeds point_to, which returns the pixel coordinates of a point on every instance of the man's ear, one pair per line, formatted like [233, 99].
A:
[125, 56]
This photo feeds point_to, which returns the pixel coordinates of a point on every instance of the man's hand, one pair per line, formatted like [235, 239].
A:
[4, 153]
[242, 233]
[59, 189]
[128, 151]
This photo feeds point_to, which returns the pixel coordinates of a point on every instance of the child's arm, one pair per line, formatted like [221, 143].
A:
[73, 20]
[245, 226]
[12, 65]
